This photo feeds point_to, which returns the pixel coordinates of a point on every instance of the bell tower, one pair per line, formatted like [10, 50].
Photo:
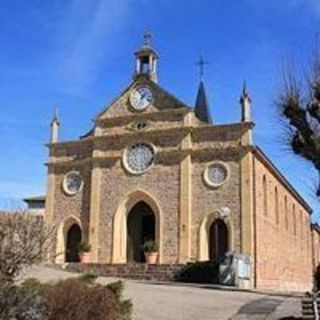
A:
[146, 59]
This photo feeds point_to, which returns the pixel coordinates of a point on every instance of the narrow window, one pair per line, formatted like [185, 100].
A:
[294, 219]
[286, 212]
[276, 204]
[301, 224]
[265, 195]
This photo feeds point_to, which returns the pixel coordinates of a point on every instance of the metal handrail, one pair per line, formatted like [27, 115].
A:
[314, 296]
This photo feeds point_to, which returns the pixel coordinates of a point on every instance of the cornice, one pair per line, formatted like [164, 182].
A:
[243, 126]
[162, 153]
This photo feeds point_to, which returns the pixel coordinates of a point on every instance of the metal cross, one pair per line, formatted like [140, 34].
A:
[201, 63]
[147, 38]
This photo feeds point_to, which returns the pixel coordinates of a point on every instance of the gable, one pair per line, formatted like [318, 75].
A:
[121, 106]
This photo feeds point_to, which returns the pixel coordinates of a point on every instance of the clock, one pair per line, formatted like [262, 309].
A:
[216, 174]
[141, 97]
[139, 157]
[72, 183]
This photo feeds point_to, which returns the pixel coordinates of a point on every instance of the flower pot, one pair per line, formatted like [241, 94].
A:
[151, 257]
[84, 257]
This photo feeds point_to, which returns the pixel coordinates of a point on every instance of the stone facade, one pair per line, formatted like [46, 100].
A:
[185, 206]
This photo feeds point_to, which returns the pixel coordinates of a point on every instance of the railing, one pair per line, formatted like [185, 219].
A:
[311, 306]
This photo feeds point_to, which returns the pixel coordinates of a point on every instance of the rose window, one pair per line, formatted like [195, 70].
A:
[216, 174]
[139, 157]
[72, 182]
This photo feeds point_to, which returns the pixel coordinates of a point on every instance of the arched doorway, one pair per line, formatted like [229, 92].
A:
[218, 239]
[141, 226]
[73, 239]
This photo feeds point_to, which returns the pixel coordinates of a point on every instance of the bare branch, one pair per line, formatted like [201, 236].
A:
[25, 240]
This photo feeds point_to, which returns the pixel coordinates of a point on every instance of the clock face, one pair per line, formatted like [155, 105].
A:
[72, 182]
[140, 98]
[139, 157]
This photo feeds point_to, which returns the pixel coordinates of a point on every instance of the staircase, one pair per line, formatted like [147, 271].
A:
[138, 271]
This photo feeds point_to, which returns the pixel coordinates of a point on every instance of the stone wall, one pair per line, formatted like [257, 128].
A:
[161, 182]
[208, 201]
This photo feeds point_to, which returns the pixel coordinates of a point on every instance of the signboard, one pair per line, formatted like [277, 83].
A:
[244, 268]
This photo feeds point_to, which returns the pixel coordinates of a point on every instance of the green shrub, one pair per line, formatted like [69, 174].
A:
[88, 277]
[74, 299]
[19, 303]
[317, 278]
[70, 299]
[32, 285]
[199, 272]
[126, 306]
[84, 247]
[150, 246]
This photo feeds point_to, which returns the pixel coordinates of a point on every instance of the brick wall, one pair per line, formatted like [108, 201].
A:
[283, 242]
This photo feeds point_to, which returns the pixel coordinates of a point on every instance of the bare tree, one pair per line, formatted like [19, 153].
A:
[299, 104]
[25, 240]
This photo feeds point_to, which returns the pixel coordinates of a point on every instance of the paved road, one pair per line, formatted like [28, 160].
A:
[175, 302]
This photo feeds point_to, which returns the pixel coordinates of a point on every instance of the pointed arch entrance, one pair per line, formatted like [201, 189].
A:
[215, 237]
[68, 239]
[141, 225]
[73, 239]
[137, 218]
[218, 239]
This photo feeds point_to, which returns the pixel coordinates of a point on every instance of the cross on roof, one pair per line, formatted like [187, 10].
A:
[201, 63]
[147, 38]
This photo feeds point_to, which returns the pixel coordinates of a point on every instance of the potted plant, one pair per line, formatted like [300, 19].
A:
[84, 252]
[151, 251]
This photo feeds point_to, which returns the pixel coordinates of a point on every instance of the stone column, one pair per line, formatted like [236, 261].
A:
[49, 204]
[247, 208]
[185, 198]
[95, 210]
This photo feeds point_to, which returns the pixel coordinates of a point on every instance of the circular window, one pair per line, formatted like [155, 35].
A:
[139, 157]
[216, 174]
[72, 182]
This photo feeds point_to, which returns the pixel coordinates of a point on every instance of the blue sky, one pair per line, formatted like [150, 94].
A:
[77, 54]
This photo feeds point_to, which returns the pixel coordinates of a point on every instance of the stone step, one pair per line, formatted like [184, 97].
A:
[139, 271]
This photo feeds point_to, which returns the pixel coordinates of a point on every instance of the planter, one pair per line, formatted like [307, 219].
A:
[151, 257]
[84, 257]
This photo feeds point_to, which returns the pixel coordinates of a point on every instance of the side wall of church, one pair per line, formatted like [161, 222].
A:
[283, 237]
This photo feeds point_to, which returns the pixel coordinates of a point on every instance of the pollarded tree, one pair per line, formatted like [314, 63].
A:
[25, 240]
[299, 104]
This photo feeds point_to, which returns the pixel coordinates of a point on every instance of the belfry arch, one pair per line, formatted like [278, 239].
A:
[142, 205]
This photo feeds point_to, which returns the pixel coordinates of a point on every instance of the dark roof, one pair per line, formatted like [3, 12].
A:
[41, 198]
[276, 171]
[88, 134]
[202, 107]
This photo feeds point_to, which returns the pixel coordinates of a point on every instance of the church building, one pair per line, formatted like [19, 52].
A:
[154, 168]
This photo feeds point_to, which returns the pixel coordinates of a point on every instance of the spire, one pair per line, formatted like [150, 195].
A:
[55, 118]
[245, 102]
[202, 107]
[55, 124]
[146, 59]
